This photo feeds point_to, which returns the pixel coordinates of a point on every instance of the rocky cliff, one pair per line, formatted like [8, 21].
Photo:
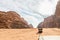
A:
[12, 19]
[52, 21]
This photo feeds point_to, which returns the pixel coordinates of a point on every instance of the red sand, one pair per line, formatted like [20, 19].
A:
[26, 34]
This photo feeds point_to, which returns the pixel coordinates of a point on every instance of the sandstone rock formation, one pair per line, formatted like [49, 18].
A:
[48, 22]
[30, 25]
[52, 21]
[12, 19]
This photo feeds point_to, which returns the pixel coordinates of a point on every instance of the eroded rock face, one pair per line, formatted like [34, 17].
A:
[57, 13]
[30, 25]
[52, 21]
[48, 22]
[11, 19]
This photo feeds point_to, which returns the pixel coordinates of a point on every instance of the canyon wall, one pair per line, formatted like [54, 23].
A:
[13, 20]
[52, 21]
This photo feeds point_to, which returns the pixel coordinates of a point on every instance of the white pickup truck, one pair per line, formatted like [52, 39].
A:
[49, 38]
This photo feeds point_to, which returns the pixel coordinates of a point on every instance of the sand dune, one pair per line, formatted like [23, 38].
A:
[26, 34]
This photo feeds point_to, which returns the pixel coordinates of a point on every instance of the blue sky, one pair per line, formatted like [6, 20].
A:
[33, 11]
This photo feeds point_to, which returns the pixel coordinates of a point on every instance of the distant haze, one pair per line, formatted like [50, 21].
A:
[33, 11]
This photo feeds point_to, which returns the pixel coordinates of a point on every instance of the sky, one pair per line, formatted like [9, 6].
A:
[33, 11]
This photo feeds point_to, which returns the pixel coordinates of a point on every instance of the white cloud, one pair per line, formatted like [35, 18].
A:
[47, 7]
[32, 20]
[31, 10]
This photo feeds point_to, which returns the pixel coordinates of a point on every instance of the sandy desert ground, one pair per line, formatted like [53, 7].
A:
[26, 34]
